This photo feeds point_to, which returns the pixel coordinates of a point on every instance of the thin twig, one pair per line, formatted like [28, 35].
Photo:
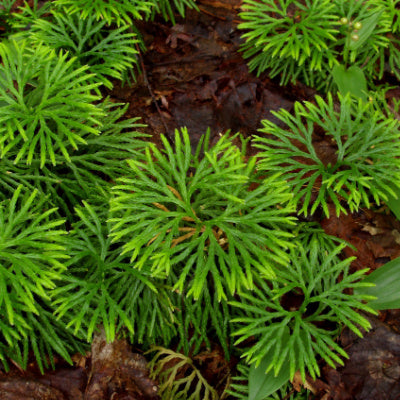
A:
[146, 81]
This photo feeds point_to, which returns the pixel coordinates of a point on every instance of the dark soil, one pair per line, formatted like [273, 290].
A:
[193, 76]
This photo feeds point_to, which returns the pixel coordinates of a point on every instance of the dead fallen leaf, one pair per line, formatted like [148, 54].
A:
[373, 369]
[118, 373]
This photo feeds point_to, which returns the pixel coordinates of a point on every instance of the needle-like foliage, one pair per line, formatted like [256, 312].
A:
[103, 287]
[391, 10]
[203, 322]
[202, 216]
[32, 260]
[6, 7]
[296, 317]
[46, 104]
[167, 8]
[361, 165]
[111, 11]
[29, 13]
[126, 11]
[289, 37]
[109, 53]
[304, 40]
[92, 167]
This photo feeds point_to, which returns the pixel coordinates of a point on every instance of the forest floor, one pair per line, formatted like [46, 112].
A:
[193, 76]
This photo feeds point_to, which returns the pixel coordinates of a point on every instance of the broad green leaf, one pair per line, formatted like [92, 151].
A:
[394, 203]
[368, 26]
[351, 80]
[387, 286]
[262, 384]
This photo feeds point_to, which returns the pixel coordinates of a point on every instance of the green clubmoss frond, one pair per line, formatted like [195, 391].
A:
[292, 316]
[202, 217]
[104, 288]
[363, 162]
[46, 104]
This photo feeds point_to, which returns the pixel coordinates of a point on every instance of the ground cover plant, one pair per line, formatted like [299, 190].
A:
[185, 246]
[349, 34]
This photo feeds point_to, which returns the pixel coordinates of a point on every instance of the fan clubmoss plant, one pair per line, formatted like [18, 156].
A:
[109, 53]
[203, 321]
[53, 136]
[167, 8]
[296, 317]
[6, 7]
[92, 168]
[288, 37]
[392, 52]
[28, 13]
[104, 288]
[126, 11]
[111, 11]
[361, 165]
[305, 39]
[46, 104]
[202, 216]
[32, 258]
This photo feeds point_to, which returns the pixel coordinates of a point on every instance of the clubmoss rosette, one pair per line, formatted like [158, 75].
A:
[295, 319]
[361, 167]
[202, 215]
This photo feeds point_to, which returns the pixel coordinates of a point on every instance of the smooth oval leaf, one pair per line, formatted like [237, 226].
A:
[387, 286]
[351, 80]
[262, 384]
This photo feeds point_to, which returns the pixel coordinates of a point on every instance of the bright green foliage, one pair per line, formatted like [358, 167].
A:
[167, 7]
[104, 288]
[392, 8]
[392, 12]
[126, 11]
[11, 176]
[363, 161]
[6, 7]
[46, 104]
[46, 336]
[288, 37]
[203, 321]
[293, 317]
[31, 264]
[167, 365]
[95, 166]
[108, 52]
[200, 217]
[367, 48]
[305, 39]
[29, 13]
[92, 167]
[118, 11]
[190, 231]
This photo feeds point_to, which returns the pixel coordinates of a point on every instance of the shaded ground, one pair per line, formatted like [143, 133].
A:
[193, 76]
